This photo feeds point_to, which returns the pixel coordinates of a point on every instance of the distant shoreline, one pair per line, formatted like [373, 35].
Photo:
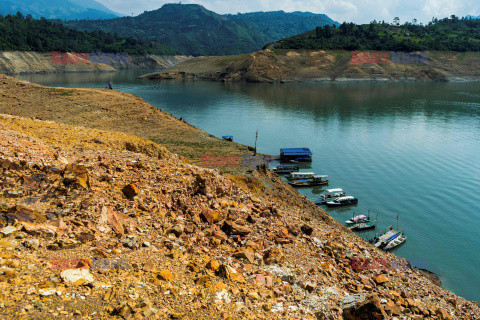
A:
[283, 66]
[29, 62]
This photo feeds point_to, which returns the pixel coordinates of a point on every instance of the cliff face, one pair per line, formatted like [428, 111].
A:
[109, 225]
[35, 62]
[290, 65]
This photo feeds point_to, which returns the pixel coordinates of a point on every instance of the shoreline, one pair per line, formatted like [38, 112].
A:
[29, 62]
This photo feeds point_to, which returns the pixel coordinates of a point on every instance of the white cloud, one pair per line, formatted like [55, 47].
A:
[359, 11]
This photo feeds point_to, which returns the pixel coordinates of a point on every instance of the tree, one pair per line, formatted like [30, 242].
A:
[396, 21]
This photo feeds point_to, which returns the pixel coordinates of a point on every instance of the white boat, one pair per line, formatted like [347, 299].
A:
[398, 239]
[389, 238]
[330, 194]
[358, 219]
[300, 175]
[342, 201]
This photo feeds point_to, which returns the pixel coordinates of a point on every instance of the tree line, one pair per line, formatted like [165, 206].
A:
[448, 34]
[19, 33]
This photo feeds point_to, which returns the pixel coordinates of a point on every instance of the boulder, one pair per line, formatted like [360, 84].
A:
[76, 175]
[368, 309]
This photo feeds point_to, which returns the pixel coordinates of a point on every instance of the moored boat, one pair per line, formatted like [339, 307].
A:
[300, 176]
[228, 138]
[330, 194]
[358, 219]
[389, 238]
[316, 180]
[396, 240]
[295, 155]
[362, 226]
[342, 201]
[286, 168]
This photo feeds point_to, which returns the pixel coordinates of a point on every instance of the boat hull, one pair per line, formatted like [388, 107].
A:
[341, 204]
[307, 184]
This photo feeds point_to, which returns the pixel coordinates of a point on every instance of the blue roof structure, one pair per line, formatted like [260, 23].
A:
[295, 152]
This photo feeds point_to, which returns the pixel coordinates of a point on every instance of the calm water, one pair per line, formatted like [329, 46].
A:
[410, 149]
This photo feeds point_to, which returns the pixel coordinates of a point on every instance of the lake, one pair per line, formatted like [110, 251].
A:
[406, 149]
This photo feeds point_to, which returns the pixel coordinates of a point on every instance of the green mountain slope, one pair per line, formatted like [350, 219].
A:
[277, 25]
[192, 29]
[20, 34]
[449, 34]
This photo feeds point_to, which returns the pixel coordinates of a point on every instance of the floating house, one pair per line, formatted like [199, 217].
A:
[295, 155]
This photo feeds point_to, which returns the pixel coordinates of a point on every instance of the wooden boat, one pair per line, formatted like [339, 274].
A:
[286, 168]
[342, 201]
[317, 180]
[330, 194]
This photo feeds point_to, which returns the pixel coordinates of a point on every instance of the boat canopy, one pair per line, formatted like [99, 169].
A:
[333, 190]
[393, 237]
[295, 152]
[345, 198]
[303, 173]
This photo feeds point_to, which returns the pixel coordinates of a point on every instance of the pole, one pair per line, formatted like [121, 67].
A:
[256, 137]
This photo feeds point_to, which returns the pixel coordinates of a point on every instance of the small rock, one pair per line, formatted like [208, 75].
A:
[8, 230]
[130, 191]
[210, 216]
[165, 275]
[76, 276]
[274, 256]
[380, 279]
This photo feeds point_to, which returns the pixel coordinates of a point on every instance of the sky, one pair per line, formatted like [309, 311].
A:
[358, 11]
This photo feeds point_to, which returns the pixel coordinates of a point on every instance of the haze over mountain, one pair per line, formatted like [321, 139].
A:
[58, 9]
[192, 29]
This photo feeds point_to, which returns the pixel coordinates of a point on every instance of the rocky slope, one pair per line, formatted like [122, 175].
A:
[35, 62]
[100, 224]
[290, 65]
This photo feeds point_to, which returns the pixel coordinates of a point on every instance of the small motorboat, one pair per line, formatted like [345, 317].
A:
[286, 168]
[395, 241]
[358, 219]
[300, 175]
[330, 194]
[342, 201]
[362, 226]
[389, 238]
[317, 180]
[228, 138]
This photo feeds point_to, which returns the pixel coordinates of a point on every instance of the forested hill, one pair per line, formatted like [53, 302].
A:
[449, 34]
[192, 29]
[27, 34]
[58, 9]
[276, 25]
